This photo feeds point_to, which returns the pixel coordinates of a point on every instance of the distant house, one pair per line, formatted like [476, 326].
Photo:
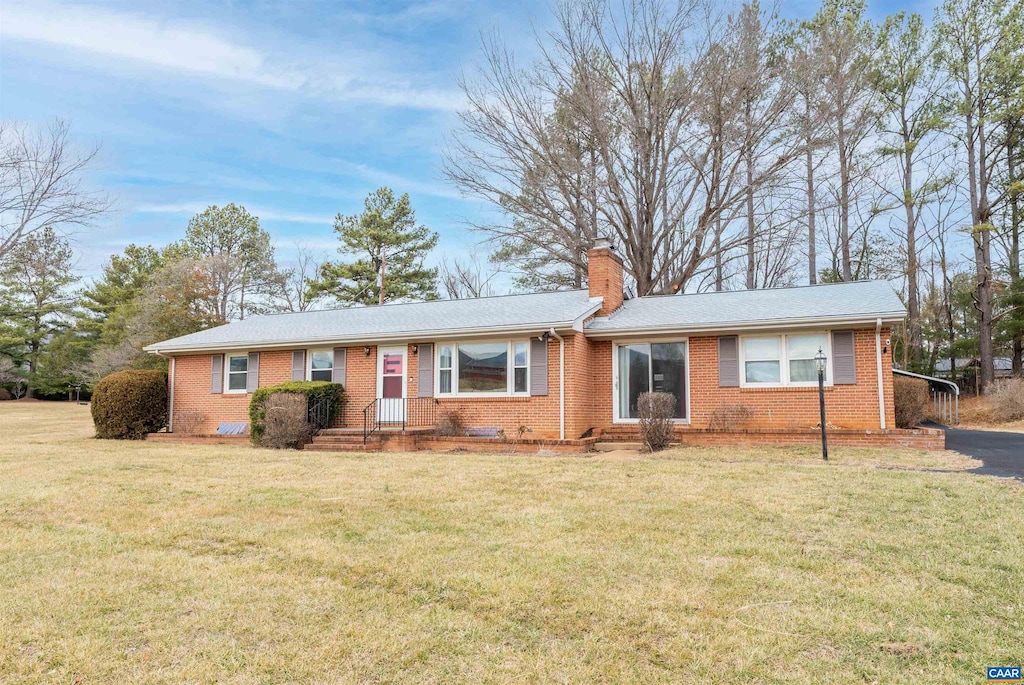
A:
[569, 363]
[1003, 365]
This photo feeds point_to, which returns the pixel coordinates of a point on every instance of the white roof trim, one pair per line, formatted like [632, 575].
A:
[763, 324]
[355, 341]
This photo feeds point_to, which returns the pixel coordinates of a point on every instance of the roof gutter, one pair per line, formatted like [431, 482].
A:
[778, 324]
[437, 334]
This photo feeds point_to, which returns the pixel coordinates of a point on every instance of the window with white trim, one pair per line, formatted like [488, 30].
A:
[802, 350]
[321, 365]
[521, 371]
[444, 366]
[781, 360]
[237, 372]
[483, 368]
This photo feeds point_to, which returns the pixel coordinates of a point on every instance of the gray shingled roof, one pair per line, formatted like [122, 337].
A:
[538, 311]
[861, 300]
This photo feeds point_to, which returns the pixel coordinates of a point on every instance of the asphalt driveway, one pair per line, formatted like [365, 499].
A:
[1002, 453]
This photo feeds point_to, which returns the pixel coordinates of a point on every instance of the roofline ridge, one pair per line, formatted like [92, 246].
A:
[398, 304]
[757, 290]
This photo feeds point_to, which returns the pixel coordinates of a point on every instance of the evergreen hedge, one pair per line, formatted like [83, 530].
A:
[128, 404]
[313, 390]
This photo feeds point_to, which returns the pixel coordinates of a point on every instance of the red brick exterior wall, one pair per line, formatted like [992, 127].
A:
[588, 391]
[847, 406]
[192, 388]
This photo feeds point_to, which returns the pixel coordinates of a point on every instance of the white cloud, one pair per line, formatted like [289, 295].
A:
[195, 50]
[397, 182]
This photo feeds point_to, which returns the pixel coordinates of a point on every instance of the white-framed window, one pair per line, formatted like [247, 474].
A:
[321, 365]
[444, 369]
[783, 359]
[483, 369]
[801, 351]
[521, 372]
[236, 371]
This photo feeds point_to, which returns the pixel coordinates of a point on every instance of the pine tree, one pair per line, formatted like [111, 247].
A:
[108, 302]
[35, 301]
[389, 248]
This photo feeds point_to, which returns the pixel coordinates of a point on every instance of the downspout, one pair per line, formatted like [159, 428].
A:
[170, 413]
[561, 384]
[170, 382]
[878, 365]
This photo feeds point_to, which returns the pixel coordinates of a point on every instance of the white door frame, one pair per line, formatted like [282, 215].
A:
[616, 418]
[393, 412]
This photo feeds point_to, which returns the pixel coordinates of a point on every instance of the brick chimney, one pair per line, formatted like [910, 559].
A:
[604, 275]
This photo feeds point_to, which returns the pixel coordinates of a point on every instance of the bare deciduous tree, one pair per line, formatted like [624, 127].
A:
[462, 280]
[652, 96]
[41, 182]
[843, 41]
[292, 289]
[7, 372]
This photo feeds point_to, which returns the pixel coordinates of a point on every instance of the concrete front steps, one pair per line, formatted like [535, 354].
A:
[616, 446]
[622, 437]
[344, 440]
[351, 439]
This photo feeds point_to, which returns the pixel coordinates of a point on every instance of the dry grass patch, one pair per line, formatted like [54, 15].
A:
[858, 457]
[978, 413]
[171, 563]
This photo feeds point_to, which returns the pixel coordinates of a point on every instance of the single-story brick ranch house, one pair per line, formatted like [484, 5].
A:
[569, 365]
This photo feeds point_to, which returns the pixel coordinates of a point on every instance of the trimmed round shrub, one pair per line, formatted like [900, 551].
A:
[128, 404]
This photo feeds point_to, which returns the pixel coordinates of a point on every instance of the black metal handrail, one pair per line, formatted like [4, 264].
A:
[318, 413]
[398, 412]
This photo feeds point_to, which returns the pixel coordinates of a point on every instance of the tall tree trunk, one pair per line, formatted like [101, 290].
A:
[751, 228]
[913, 303]
[981, 237]
[844, 203]
[1017, 337]
[812, 249]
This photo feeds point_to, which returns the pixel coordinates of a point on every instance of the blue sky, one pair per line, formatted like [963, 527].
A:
[295, 109]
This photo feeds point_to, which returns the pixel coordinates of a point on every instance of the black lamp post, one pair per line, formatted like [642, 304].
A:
[819, 360]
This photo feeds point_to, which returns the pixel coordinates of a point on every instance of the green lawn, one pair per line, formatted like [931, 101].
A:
[160, 563]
